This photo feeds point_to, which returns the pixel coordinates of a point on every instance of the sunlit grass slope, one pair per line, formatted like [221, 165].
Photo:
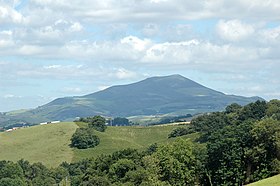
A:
[273, 181]
[117, 138]
[48, 144]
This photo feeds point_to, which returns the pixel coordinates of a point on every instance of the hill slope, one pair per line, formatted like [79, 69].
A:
[173, 94]
[117, 138]
[49, 144]
[272, 181]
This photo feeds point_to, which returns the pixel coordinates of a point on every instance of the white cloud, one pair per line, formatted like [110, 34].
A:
[234, 30]
[30, 50]
[122, 73]
[11, 96]
[103, 87]
[270, 35]
[9, 15]
[107, 42]
[136, 43]
[72, 90]
[76, 27]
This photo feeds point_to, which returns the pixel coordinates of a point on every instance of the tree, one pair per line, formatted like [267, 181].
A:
[273, 109]
[233, 108]
[255, 111]
[265, 150]
[177, 163]
[59, 174]
[120, 121]
[225, 163]
[119, 169]
[98, 123]
[12, 182]
[180, 131]
[84, 138]
[9, 169]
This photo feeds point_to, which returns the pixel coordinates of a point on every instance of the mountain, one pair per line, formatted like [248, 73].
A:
[172, 94]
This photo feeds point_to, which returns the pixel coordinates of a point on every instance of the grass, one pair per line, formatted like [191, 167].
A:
[117, 138]
[272, 181]
[48, 144]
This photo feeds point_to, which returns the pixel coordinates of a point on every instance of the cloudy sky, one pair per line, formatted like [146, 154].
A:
[58, 48]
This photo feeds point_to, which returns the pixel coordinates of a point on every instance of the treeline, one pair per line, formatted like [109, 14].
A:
[22, 173]
[174, 119]
[237, 146]
[118, 121]
[242, 144]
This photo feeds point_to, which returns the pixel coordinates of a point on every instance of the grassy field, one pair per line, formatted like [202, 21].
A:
[273, 181]
[48, 144]
[116, 138]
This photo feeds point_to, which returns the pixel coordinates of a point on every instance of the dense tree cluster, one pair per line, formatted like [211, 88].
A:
[97, 122]
[22, 173]
[243, 143]
[84, 138]
[181, 131]
[119, 121]
[172, 164]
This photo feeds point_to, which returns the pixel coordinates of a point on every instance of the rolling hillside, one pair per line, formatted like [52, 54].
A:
[173, 94]
[273, 181]
[49, 144]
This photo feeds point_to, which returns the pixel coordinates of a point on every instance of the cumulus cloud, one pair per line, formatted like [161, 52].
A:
[234, 30]
[9, 15]
[94, 43]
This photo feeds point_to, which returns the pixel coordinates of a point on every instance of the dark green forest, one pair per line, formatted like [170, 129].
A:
[237, 146]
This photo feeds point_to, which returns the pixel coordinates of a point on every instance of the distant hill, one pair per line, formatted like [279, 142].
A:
[172, 94]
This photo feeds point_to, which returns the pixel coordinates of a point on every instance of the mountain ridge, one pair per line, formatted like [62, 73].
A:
[173, 94]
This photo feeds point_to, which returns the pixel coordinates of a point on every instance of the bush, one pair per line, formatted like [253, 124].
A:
[84, 138]
[180, 132]
[97, 123]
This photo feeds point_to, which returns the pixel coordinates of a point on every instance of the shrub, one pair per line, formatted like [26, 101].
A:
[84, 138]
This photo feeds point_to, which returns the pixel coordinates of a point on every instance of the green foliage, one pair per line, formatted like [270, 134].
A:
[120, 121]
[273, 109]
[84, 138]
[177, 163]
[117, 138]
[225, 154]
[97, 181]
[255, 111]
[180, 131]
[97, 122]
[12, 182]
[10, 170]
[233, 108]
[242, 145]
[119, 169]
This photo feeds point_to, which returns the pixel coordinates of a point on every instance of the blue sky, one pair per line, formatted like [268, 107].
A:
[58, 48]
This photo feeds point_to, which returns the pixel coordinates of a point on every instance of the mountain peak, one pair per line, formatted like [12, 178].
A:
[173, 94]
